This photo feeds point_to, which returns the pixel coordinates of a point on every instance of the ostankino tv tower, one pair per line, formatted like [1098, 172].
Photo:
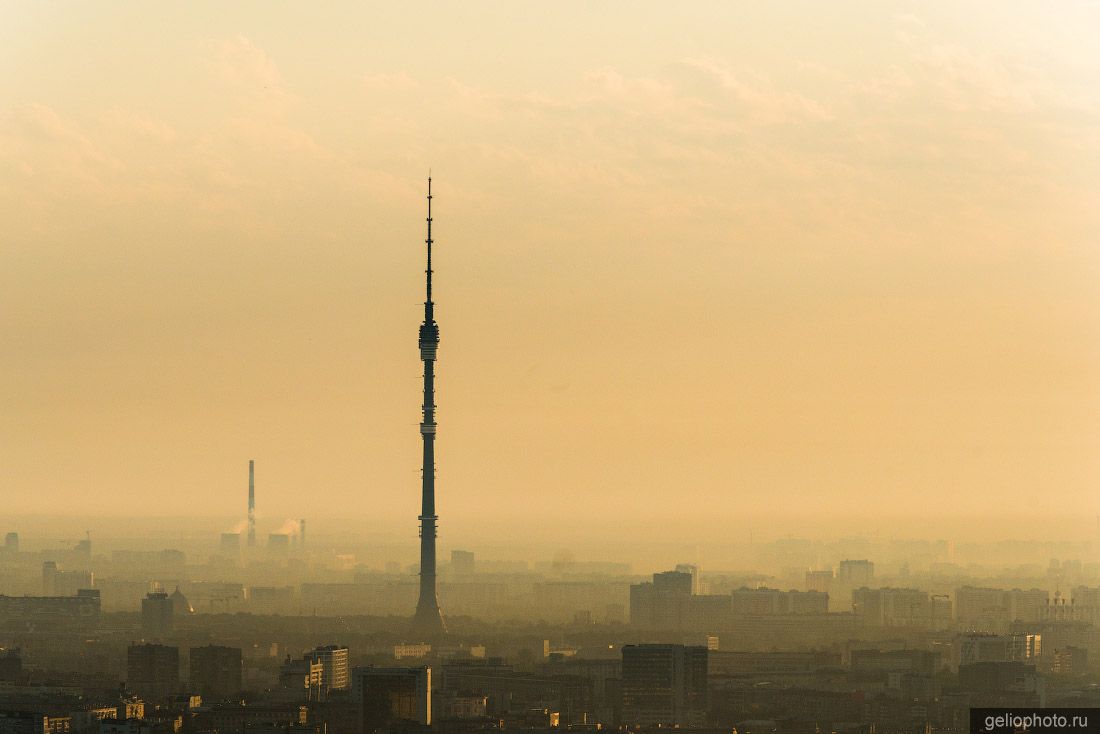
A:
[428, 619]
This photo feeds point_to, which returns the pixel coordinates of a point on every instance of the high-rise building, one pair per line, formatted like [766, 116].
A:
[693, 570]
[662, 603]
[49, 578]
[302, 675]
[215, 672]
[850, 575]
[462, 562]
[153, 671]
[890, 607]
[664, 685]
[678, 583]
[156, 614]
[335, 671]
[819, 580]
[428, 620]
[854, 574]
[388, 695]
[994, 610]
[11, 664]
[11, 543]
[56, 582]
[764, 601]
[82, 552]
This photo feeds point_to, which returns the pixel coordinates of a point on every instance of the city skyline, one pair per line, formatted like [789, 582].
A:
[769, 398]
[735, 270]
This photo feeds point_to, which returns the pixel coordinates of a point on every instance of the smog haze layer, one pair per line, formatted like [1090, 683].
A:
[752, 271]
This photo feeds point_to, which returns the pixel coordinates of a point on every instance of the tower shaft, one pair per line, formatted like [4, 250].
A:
[428, 619]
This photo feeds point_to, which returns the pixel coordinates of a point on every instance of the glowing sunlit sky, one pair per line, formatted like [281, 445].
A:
[696, 262]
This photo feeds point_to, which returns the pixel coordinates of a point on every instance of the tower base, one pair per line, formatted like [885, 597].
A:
[428, 621]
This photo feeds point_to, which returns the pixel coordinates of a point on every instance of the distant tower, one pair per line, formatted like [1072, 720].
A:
[302, 534]
[251, 502]
[428, 619]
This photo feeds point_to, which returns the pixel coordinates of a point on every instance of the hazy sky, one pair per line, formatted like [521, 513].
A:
[694, 265]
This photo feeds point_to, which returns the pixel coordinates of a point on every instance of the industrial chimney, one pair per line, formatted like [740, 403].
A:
[251, 502]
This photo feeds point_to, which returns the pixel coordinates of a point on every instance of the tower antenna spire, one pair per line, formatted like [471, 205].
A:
[429, 307]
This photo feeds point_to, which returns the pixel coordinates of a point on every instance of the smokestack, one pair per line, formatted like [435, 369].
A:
[301, 534]
[251, 502]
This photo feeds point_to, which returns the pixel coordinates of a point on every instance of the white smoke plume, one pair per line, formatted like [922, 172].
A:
[290, 527]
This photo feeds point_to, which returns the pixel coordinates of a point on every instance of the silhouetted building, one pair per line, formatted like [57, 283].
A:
[994, 610]
[386, 696]
[80, 611]
[1070, 660]
[56, 582]
[462, 562]
[747, 602]
[664, 685]
[985, 648]
[707, 612]
[819, 580]
[153, 671]
[745, 664]
[125, 726]
[24, 722]
[180, 606]
[854, 574]
[1015, 678]
[909, 662]
[271, 599]
[303, 676]
[234, 717]
[675, 583]
[692, 570]
[891, 607]
[11, 543]
[215, 672]
[49, 578]
[662, 603]
[11, 664]
[156, 614]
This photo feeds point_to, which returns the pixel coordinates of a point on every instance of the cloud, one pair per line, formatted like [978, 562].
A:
[246, 69]
[389, 82]
[758, 100]
[54, 150]
[141, 125]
